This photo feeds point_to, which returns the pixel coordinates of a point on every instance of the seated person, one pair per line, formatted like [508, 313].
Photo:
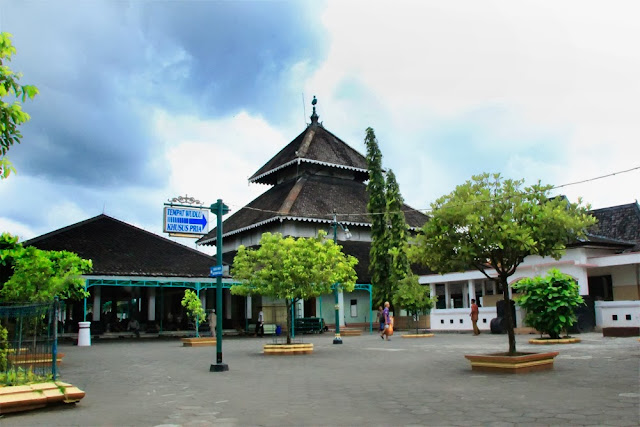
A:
[134, 326]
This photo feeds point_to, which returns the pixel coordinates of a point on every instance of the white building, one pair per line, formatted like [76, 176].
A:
[606, 266]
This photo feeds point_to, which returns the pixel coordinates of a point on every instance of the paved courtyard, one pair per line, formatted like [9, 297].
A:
[365, 381]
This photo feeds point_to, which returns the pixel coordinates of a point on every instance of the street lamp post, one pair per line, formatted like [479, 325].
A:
[337, 339]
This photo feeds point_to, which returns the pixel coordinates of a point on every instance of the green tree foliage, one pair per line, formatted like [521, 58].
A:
[549, 301]
[379, 258]
[490, 223]
[193, 305]
[413, 297]
[34, 275]
[292, 269]
[11, 114]
[397, 234]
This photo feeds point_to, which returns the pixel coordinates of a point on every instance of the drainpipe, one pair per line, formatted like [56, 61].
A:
[638, 279]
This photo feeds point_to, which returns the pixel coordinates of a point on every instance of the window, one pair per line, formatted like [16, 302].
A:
[354, 308]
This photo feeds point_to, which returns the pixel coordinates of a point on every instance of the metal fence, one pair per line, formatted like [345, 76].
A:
[28, 342]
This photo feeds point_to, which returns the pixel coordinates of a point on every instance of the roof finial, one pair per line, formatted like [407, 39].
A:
[314, 116]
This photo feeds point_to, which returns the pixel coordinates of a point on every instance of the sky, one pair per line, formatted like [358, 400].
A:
[144, 101]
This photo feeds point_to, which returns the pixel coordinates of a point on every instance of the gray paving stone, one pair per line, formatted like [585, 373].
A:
[158, 383]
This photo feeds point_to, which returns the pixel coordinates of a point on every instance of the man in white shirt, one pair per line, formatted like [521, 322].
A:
[260, 324]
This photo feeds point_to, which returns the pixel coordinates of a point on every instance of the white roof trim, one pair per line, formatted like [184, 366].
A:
[301, 159]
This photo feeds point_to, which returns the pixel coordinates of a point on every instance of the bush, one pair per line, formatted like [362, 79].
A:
[4, 348]
[549, 301]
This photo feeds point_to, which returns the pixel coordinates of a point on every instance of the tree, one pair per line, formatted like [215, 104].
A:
[413, 297]
[193, 305]
[397, 235]
[549, 301]
[489, 223]
[379, 259]
[11, 114]
[35, 275]
[292, 269]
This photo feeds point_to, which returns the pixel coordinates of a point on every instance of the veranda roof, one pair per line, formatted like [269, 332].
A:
[120, 249]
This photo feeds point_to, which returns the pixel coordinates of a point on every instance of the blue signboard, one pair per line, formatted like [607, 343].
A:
[185, 220]
[215, 271]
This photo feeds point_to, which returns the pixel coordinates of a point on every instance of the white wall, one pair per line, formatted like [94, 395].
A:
[627, 313]
[458, 319]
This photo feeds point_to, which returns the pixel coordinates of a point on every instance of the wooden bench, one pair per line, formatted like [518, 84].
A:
[269, 328]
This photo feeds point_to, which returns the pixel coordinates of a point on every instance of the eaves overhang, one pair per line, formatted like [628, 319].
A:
[311, 161]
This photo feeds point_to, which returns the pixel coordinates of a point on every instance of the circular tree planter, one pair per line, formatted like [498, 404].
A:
[425, 335]
[519, 363]
[198, 342]
[564, 340]
[287, 349]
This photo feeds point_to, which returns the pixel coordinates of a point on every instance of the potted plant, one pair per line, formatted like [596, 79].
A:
[292, 269]
[492, 224]
[414, 298]
[193, 306]
[549, 303]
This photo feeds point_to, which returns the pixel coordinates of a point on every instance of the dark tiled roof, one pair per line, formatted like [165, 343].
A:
[314, 145]
[359, 250]
[309, 198]
[618, 222]
[120, 249]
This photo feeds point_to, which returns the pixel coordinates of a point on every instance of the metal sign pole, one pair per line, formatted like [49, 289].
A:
[219, 209]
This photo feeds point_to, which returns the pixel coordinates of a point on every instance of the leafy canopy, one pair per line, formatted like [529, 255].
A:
[36, 275]
[11, 114]
[489, 222]
[549, 301]
[291, 268]
[193, 305]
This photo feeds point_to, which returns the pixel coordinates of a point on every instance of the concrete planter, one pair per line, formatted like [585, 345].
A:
[417, 335]
[34, 396]
[519, 364]
[198, 342]
[543, 341]
[350, 332]
[287, 349]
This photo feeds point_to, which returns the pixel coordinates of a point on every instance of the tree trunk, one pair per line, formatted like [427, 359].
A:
[508, 318]
[289, 321]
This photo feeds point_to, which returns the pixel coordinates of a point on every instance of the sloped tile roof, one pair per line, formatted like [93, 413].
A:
[120, 249]
[314, 145]
[619, 223]
[308, 198]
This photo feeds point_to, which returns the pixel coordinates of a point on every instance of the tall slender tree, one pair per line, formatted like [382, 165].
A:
[379, 259]
[397, 234]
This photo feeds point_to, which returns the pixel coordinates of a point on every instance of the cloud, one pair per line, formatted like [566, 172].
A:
[461, 88]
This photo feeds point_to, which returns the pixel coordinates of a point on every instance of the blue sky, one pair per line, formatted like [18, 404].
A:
[143, 101]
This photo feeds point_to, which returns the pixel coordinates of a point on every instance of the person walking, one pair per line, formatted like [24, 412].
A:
[213, 319]
[260, 324]
[474, 317]
[387, 322]
[381, 319]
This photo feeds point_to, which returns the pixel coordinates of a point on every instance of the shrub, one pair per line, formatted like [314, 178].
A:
[549, 301]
